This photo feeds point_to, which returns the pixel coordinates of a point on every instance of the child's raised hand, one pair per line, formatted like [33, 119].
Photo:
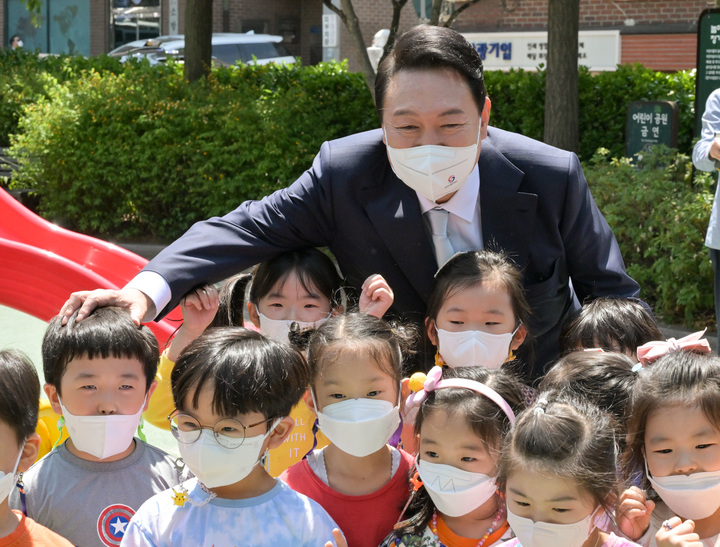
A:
[676, 532]
[339, 539]
[633, 514]
[376, 297]
[199, 308]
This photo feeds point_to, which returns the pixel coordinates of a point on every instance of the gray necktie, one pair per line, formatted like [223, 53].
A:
[438, 219]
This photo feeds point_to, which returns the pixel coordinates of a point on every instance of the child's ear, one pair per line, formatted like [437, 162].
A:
[431, 329]
[148, 394]
[307, 397]
[281, 432]
[253, 313]
[519, 337]
[29, 452]
[52, 395]
[337, 310]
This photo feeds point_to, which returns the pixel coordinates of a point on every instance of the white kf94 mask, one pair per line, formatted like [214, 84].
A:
[359, 426]
[455, 492]
[695, 496]
[474, 348]
[8, 480]
[431, 170]
[102, 436]
[215, 465]
[546, 534]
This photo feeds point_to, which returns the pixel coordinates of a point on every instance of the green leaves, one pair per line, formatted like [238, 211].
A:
[659, 213]
[139, 153]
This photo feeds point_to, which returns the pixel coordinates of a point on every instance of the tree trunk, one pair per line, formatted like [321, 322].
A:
[561, 87]
[198, 39]
[353, 26]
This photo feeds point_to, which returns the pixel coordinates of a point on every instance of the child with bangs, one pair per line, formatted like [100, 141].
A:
[233, 391]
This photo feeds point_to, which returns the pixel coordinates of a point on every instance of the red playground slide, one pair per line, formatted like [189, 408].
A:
[42, 264]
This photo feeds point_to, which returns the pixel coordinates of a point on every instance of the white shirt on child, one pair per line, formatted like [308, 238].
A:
[278, 517]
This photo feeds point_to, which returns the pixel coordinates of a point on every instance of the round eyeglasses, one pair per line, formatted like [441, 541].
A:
[227, 432]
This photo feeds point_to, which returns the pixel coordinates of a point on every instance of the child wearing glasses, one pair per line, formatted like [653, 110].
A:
[233, 390]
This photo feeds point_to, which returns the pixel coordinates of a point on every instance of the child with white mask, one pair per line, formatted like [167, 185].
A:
[19, 443]
[233, 390]
[99, 376]
[559, 471]
[360, 479]
[461, 418]
[477, 314]
[673, 445]
[288, 297]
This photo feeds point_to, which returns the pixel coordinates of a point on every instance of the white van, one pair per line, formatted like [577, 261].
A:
[227, 49]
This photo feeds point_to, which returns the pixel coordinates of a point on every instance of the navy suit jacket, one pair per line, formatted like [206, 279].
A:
[535, 204]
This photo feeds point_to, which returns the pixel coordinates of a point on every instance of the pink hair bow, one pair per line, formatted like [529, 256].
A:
[414, 400]
[652, 351]
[434, 381]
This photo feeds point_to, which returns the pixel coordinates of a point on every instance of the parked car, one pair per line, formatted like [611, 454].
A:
[227, 49]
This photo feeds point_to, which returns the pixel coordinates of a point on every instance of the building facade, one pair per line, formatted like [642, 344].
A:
[659, 34]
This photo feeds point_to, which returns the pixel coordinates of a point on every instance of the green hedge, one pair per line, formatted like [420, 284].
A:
[143, 154]
[659, 212]
[518, 99]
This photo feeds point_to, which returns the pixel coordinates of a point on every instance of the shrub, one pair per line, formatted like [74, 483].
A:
[25, 78]
[144, 154]
[659, 214]
[519, 97]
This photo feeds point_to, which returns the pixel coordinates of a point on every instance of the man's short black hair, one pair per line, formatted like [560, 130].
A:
[248, 373]
[106, 332]
[427, 47]
[19, 393]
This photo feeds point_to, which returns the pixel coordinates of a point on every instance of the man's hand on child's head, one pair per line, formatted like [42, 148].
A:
[137, 303]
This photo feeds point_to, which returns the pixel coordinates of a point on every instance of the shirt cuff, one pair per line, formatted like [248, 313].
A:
[154, 286]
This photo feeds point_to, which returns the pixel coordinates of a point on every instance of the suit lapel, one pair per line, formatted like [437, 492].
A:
[507, 216]
[394, 211]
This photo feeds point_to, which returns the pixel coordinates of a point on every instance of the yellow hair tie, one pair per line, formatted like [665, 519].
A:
[417, 381]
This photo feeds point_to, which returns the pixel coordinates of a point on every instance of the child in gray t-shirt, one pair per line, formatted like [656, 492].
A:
[99, 376]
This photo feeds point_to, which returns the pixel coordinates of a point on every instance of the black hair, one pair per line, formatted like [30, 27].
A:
[682, 378]
[106, 332]
[20, 389]
[248, 373]
[487, 420]
[471, 268]
[426, 47]
[387, 344]
[568, 438]
[314, 269]
[612, 324]
[603, 378]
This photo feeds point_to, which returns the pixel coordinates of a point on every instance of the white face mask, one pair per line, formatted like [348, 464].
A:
[545, 534]
[474, 348]
[279, 329]
[695, 496]
[359, 427]
[431, 170]
[453, 491]
[102, 436]
[8, 480]
[215, 465]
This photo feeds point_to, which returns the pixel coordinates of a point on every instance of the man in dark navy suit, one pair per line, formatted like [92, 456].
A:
[373, 199]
